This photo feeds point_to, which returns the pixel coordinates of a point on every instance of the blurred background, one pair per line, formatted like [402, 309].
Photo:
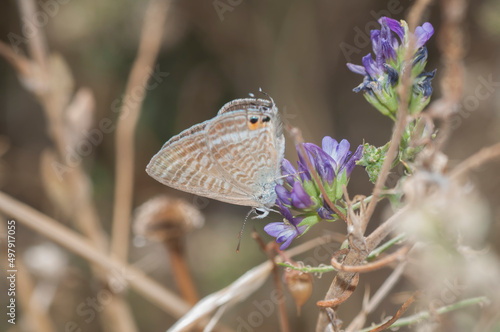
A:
[296, 52]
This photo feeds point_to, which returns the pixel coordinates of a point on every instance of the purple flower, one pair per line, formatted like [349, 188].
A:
[285, 231]
[333, 163]
[325, 213]
[423, 83]
[335, 156]
[300, 198]
[283, 194]
[288, 169]
[385, 46]
[394, 25]
[423, 34]
[382, 73]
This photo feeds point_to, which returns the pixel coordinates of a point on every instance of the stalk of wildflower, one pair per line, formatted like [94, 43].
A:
[333, 163]
[382, 75]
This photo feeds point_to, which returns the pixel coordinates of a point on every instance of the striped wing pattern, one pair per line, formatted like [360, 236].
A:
[250, 157]
[185, 164]
[223, 159]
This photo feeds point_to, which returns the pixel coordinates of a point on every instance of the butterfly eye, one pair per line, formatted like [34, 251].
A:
[254, 119]
[266, 119]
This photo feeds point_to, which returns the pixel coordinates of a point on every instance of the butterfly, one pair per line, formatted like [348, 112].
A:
[234, 157]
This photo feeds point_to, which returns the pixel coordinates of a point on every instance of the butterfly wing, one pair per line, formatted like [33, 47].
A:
[247, 104]
[250, 152]
[185, 163]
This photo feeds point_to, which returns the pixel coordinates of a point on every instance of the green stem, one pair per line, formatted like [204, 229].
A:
[308, 269]
[356, 206]
[426, 314]
[377, 251]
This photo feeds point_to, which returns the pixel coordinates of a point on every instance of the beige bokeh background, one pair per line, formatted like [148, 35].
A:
[290, 49]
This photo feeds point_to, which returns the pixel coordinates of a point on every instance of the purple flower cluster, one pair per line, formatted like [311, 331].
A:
[381, 75]
[333, 163]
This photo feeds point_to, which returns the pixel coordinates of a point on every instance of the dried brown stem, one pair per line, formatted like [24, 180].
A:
[381, 263]
[415, 15]
[389, 283]
[477, 159]
[342, 298]
[79, 245]
[118, 314]
[182, 273]
[19, 62]
[451, 45]
[37, 45]
[391, 154]
[38, 319]
[151, 37]
[269, 251]
[398, 314]
[355, 257]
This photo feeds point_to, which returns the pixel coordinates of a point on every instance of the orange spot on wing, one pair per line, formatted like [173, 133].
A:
[257, 125]
[253, 126]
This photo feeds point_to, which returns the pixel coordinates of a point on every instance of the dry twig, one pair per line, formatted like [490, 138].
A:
[151, 37]
[268, 250]
[477, 159]
[79, 245]
[398, 314]
[381, 293]
[398, 255]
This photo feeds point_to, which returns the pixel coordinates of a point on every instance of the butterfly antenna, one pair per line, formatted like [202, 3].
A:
[241, 231]
[285, 176]
[268, 96]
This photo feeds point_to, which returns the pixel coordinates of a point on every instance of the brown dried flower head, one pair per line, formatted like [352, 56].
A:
[299, 284]
[164, 218]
